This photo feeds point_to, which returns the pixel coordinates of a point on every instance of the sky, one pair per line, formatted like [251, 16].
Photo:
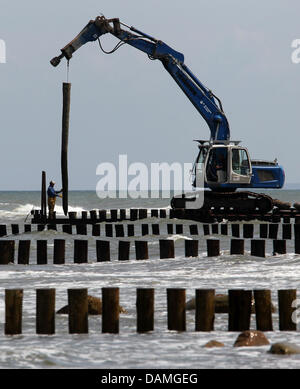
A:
[126, 104]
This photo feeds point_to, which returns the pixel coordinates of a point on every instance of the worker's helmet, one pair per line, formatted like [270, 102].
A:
[52, 182]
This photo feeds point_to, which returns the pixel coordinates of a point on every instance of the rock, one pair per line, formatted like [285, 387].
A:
[251, 338]
[221, 304]
[297, 206]
[94, 307]
[281, 204]
[284, 348]
[213, 343]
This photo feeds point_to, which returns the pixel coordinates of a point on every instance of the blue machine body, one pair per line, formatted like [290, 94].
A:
[204, 100]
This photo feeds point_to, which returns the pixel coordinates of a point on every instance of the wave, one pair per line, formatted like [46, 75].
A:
[23, 210]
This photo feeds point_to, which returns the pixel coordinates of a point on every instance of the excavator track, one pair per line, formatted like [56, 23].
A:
[233, 202]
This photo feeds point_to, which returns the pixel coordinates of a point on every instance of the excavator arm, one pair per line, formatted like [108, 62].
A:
[205, 102]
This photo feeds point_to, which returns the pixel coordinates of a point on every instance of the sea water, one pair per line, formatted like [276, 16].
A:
[160, 348]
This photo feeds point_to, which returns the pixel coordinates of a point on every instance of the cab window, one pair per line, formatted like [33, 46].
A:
[240, 162]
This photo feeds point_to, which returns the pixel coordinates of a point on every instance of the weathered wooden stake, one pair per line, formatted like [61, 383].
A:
[113, 215]
[297, 231]
[64, 144]
[80, 251]
[239, 309]
[24, 252]
[103, 250]
[176, 309]
[108, 230]
[206, 229]
[72, 215]
[248, 230]
[191, 248]
[273, 230]
[237, 247]
[122, 214]
[235, 230]
[179, 229]
[96, 230]
[102, 215]
[124, 250]
[41, 252]
[287, 307]
[130, 229]
[81, 229]
[93, 214]
[43, 196]
[213, 247]
[143, 213]
[170, 229]
[154, 212]
[133, 214]
[286, 231]
[155, 229]
[59, 251]
[162, 213]
[224, 229]
[145, 309]
[141, 249]
[193, 229]
[67, 228]
[3, 230]
[205, 309]
[215, 228]
[27, 228]
[45, 311]
[166, 248]
[13, 311]
[263, 309]
[15, 229]
[297, 246]
[110, 310]
[78, 311]
[258, 247]
[279, 246]
[145, 229]
[263, 230]
[119, 228]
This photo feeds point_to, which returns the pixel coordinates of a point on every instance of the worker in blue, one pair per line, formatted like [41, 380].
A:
[52, 194]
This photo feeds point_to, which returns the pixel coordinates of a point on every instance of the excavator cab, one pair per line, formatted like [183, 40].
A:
[224, 166]
[227, 167]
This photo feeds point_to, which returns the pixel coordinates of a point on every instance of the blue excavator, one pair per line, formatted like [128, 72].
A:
[223, 167]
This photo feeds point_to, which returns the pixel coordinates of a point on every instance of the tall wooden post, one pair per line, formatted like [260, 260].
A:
[64, 144]
[43, 196]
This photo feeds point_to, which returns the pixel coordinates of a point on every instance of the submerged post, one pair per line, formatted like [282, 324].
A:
[145, 309]
[13, 311]
[45, 311]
